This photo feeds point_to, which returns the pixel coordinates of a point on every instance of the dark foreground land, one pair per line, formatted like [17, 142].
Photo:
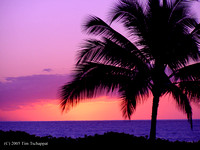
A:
[23, 140]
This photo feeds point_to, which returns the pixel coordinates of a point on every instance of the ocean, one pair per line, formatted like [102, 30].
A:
[166, 129]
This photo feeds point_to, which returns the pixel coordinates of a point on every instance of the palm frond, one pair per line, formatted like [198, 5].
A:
[181, 50]
[97, 26]
[89, 51]
[128, 106]
[169, 32]
[92, 79]
[109, 52]
[178, 10]
[133, 91]
[191, 89]
[186, 73]
[196, 34]
[174, 4]
[132, 15]
[196, 29]
[181, 47]
[182, 101]
[189, 23]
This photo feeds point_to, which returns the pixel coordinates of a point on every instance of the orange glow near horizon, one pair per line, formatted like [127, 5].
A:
[102, 108]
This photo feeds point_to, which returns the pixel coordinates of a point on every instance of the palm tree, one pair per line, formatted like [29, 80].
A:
[161, 56]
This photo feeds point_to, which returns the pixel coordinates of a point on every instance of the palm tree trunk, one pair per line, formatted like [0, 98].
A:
[154, 117]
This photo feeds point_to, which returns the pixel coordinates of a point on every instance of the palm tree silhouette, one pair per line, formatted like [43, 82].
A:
[161, 57]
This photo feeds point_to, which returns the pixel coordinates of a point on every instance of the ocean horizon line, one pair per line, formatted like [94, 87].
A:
[95, 120]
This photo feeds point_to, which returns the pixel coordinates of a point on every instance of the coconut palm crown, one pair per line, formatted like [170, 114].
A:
[160, 56]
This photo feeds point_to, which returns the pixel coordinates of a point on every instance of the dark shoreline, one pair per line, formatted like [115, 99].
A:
[20, 139]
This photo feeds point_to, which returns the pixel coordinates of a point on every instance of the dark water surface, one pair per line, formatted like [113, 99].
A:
[168, 129]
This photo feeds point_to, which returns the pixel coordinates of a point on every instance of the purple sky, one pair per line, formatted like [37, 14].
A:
[44, 34]
[40, 34]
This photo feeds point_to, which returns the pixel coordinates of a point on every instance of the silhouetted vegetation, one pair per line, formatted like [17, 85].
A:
[164, 38]
[107, 139]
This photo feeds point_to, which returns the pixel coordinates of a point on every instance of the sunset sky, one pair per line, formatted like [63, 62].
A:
[39, 40]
